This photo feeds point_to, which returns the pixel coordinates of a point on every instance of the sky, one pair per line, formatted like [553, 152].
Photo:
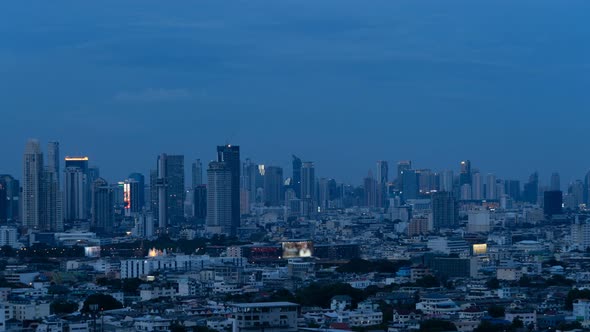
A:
[342, 83]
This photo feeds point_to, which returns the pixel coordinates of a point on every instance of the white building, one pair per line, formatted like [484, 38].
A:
[267, 317]
[28, 310]
[581, 310]
[437, 305]
[478, 221]
[9, 237]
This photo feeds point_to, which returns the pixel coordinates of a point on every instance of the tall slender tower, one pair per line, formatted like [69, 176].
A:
[197, 170]
[53, 160]
[32, 177]
[219, 199]
[171, 193]
[77, 189]
[297, 175]
[230, 155]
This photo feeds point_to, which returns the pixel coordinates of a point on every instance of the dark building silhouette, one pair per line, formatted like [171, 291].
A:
[103, 206]
[512, 189]
[273, 186]
[200, 203]
[410, 187]
[445, 210]
[171, 192]
[141, 184]
[296, 180]
[552, 202]
[465, 174]
[230, 155]
[531, 189]
[219, 199]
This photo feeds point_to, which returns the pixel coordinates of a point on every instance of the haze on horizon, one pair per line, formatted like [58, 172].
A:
[342, 83]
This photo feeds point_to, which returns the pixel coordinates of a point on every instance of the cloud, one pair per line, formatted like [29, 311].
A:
[154, 95]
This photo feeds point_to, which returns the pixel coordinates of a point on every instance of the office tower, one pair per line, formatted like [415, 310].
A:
[51, 213]
[491, 190]
[75, 194]
[323, 194]
[555, 182]
[53, 160]
[576, 192]
[531, 189]
[154, 199]
[477, 187]
[512, 189]
[219, 199]
[3, 203]
[445, 210]
[144, 225]
[465, 175]
[553, 200]
[11, 189]
[197, 170]
[466, 192]
[171, 192]
[297, 175]
[382, 172]
[32, 176]
[308, 181]
[446, 181]
[132, 193]
[140, 179]
[103, 206]
[370, 186]
[402, 166]
[273, 186]
[230, 155]
[250, 174]
[200, 203]
[426, 181]
[410, 189]
[587, 189]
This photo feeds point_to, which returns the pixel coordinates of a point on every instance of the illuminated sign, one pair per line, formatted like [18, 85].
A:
[93, 251]
[76, 158]
[293, 249]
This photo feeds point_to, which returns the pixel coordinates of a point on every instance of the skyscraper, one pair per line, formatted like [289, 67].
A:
[53, 160]
[552, 202]
[140, 179]
[410, 188]
[32, 177]
[273, 186]
[197, 173]
[77, 189]
[477, 192]
[219, 199]
[132, 193]
[555, 182]
[370, 186]
[491, 192]
[465, 175]
[200, 203]
[12, 195]
[445, 210]
[51, 202]
[297, 175]
[103, 206]
[531, 189]
[230, 155]
[446, 181]
[402, 166]
[171, 192]
[512, 189]
[382, 171]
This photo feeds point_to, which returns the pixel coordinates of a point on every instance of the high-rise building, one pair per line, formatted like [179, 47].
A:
[230, 155]
[308, 181]
[11, 194]
[219, 199]
[477, 192]
[553, 200]
[426, 181]
[576, 192]
[32, 177]
[140, 179]
[466, 192]
[465, 175]
[51, 202]
[446, 181]
[555, 182]
[200, 203]
[370, 187]
[512, 189]
[531, 189]
[410, 188]
[382, 172]
[197, 172]
[297, 175]
[154, 199]
[171, 193]
[75, 194]
[445, 210]
[402, 166]
[491, 189]
[103, 206]
[324, 194]
[53, 160]
[273, 186]
[132, 193]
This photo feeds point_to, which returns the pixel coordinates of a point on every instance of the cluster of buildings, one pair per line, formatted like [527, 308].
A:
[467, 249]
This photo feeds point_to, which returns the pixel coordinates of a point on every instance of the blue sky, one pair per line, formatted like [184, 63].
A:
[343, 83]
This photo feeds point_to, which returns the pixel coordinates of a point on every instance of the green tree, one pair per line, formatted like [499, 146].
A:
[575, 294]
[496, 311]
[437, 325]
[62, 306]
[428, 282]
[517, 323]
[104, 301]
[493, 283]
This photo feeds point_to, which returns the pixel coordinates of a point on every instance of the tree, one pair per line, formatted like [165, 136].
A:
[575, 294]
[437, 325]
[493, 283]
[517, 323]
[496, 311]
[428, 282]
[62, 306]
[104, 301]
